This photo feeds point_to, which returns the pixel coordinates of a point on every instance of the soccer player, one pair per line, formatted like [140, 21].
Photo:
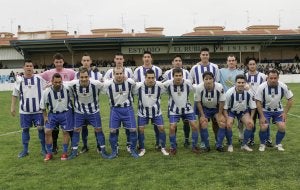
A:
[196, 75]
[28, 89]
[67, 75]
[119, 91]
[139, 76]
[179, 106]
[149, 108]
[119, 62]
[227, 79]
[87, 111]
[254, 79]
[168, 75]
[238, 103]
[86, 62]
[210, 98]
[268, 99]
[57, 99]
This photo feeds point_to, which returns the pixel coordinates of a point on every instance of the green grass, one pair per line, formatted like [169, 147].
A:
[213, 170]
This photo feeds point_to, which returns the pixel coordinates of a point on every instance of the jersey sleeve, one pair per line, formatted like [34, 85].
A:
[259, 94]
[43, 103]
[197, 97]
[227, 99]
[287, 92]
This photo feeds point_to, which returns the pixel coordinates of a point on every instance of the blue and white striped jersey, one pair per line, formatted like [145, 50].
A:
[56, 102]
[210, 99]
[238, 102]
[127, 72]
[254, 81]
[168, 75]
[198, 69]
[120, 95]
[139, 73]
[29, 91]
[149, 99]
[179, 102]
[85, 98]
[92, 74]
[270, 97]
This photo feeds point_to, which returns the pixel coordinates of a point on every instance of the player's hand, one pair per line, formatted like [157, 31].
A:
[203, 120]
[46, 120]
[246, 87]
[13, 112]
[263, 122]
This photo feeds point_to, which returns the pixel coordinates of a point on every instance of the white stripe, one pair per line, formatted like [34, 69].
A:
[13, 132]
[294, 115]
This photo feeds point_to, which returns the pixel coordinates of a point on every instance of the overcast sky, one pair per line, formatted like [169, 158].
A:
[176, 16]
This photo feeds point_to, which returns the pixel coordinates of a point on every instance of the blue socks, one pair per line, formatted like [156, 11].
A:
[204, 136]
[279, 136]
[195, 137]
[228, 134]
[220, 137]
[25, 139]
[173, 141]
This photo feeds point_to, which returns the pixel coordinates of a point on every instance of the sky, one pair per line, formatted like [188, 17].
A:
[175, 16]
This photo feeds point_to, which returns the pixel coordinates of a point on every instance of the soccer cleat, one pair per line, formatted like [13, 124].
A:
[164, 152]
[74, 154]
[55, 150]
[173, 151]
[104, 154]
[220, 149]
[230, 148]
[22, 154]
[157, 147]
[269, 143]
[186, 144]
[250, 143]
[202, 145]
[247, 148]
[279, 147]
[113, 155]
[84, 149]
[48, 157]
[196, 150]
[64, 156]
[142, 152]
[205, 149]
[262, 147]
[134, 154]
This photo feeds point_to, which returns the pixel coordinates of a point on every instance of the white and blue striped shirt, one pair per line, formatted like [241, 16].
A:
[120, 95]
[56, 102]
[178, 102]
[197, 71]
[127, 72]
[149, 99]
[29, 91]
[168, 75]
[270, 97]
[238, 102]
[140, 72]
[85, 98]
[210, 99]
[254, 81]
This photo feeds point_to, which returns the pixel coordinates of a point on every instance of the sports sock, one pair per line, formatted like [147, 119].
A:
[279, 136]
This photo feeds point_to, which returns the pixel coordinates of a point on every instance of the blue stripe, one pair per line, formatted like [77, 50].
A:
[197, 75]
[76, 97]
[39, 89]
[22, 96]
[94, 97]
[147, 111]
[156, 74]
[139, 75]
[158, 98]
[27, 105]
[50, 102]
[264, 98]
[129, 93]
[90, 107]
[231, 101]
[83, 107]
[62, 94]
[33, 104]
[111, 96]
[141, 107]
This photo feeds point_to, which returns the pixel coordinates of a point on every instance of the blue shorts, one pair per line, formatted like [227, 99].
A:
[158, 120]
[124, 115]
[274, 115]
[85, 119]
[237, 115]
[176, 118]
[27, 120]
[64, 119]
[210, 112]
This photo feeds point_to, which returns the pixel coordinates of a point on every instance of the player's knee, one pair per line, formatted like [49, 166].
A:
[281, 127]
[48, 132]
[249, 125]
[161, 129]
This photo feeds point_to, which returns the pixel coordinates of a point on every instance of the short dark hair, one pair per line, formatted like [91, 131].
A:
[56, 75]
[274, 71]
[179, 56]
[207, 73]
[119, 54]
[231, 55]
[27, 61]
[149, 71]
[147, 52]
[240, 76]
[114, 69]
[251, 59]
[177, 70]
[86, 54]
[204, 49]
[58, 56]
[83, 70]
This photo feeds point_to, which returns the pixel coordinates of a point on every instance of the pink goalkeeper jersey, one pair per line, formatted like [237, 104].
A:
[66, 74]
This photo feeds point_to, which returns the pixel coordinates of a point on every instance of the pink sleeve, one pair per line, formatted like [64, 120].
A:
[45, 75]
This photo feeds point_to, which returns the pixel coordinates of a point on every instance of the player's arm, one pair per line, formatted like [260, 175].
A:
[262, 119]
[226, 103]
[13, 105]
[45, 115]
[288, 106]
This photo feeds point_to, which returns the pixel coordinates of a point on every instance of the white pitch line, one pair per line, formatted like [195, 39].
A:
[294, 115]
[13, 132]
